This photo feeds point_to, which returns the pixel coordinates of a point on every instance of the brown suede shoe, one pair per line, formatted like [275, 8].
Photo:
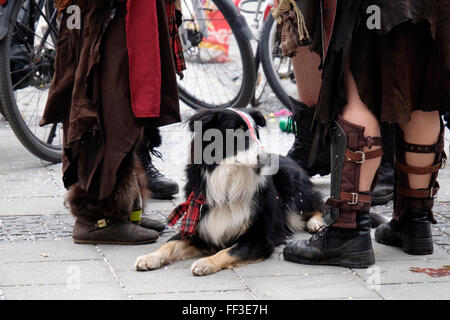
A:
[111, 231]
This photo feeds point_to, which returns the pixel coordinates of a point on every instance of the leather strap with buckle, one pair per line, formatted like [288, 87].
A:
[419, 193]
[361, 156]
[347, 199]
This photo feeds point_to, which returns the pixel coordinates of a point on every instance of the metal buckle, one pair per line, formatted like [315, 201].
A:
[363, 157]
[443, 163]
[101, 223]
[354, 198]
[431, 192]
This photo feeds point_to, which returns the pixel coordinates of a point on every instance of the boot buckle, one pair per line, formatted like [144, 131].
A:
[443, 163]
[101, 223]
[434, 192]
[354, 198]
[363, 157]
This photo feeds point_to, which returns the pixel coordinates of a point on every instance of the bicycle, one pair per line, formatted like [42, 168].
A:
[220, 69]
[28, 33]
[277, 70]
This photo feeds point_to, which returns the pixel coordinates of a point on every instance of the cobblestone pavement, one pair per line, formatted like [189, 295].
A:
[39, 260]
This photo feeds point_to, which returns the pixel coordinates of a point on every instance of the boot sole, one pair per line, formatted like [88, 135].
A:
[349, 260]
[113, 242]
[418, 247]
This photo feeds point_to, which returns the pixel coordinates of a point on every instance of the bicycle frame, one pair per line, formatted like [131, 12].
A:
[203, 29]
[230, 10]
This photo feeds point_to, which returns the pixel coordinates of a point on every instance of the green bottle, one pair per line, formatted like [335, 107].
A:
[288, 125]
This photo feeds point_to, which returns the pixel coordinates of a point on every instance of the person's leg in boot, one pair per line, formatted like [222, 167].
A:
[160, 186]
[103, 207]
[356, 155]
[384, 188]
[419, 156]
[308, 79]
[107, 221]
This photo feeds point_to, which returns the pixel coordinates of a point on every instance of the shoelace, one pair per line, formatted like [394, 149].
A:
[318, 234]
[150, 169]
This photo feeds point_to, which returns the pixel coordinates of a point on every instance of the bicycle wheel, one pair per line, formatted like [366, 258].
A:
[249, 6]
[220, 68]
[278, 69]
[27, 56]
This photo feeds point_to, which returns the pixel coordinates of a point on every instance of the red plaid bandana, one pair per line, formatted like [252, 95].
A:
[175, 41]
[190, 211]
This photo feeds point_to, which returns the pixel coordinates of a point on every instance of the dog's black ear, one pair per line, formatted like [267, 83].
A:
[258, 117]
[208, 118]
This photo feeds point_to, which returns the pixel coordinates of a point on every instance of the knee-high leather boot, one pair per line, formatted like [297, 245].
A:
[410, 226]
[345, 241]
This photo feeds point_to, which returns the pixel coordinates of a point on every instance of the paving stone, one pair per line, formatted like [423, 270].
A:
[32, 206]
[44, 251]
[197, 295]
[177, 280]
[398, 272]
[416, 291]
[12, 274]
[86, 291]
[327, 286]
[279, 267]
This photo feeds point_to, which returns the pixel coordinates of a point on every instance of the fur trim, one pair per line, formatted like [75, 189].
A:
[130, 188]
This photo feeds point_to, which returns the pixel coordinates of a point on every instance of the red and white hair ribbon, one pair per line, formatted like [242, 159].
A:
[250, 127]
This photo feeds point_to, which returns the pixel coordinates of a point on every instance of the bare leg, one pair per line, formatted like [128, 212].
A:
[307, 75]
[423, 128]
[357, 112]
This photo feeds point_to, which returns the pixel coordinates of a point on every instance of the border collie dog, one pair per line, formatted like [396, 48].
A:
[235, 214]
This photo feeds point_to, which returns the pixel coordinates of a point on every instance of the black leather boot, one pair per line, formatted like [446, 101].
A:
[346, 239]
[410, 227]
[351, 248]
[160, 186]
[303, 119]
[412, 234]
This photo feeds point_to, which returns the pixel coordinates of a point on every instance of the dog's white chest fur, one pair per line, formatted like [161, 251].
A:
[230, 191]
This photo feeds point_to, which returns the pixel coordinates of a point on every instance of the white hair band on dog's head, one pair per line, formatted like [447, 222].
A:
[250, 127]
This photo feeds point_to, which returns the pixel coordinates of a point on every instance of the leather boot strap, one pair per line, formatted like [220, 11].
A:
[422, 199]
[361, 156]
[420, 148]
[419, 193]
[350, 200]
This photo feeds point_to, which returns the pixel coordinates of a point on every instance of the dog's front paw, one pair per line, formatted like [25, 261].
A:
[149, 262]
[203, 267]
[315, 223]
